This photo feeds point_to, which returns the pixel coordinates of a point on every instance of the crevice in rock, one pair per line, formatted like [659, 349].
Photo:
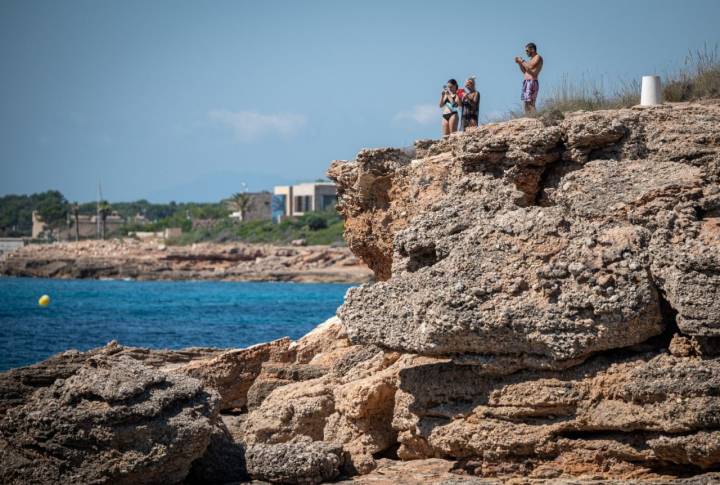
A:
[692, 157]
[551, 177]
[638, 437]
[390, 452]
[236, 411]
[669, 319]
[607, 152]
[484, 167]
[670, 328]
[422, 258]
[702, 213]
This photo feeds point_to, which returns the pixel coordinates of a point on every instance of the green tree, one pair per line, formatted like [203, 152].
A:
[315, 222]
[240, 202]
[16, 211]
[16, 215]
[104, 211]
[52, 209]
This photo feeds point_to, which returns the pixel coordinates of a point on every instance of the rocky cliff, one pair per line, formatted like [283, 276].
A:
[546, 308]
[569, 273]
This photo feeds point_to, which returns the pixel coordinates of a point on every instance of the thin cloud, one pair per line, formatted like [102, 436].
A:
[249, 125]
[422, 114]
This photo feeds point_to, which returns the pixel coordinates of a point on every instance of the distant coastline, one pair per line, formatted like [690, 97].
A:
[135, 260]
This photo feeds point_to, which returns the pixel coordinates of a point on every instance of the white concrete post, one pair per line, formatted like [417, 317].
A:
[651, 92]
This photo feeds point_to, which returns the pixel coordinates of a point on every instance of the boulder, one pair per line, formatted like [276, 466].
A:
[301, 463]
[114, 420]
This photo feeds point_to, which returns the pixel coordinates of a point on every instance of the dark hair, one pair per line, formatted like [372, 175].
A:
[532, 46]
[452, 82]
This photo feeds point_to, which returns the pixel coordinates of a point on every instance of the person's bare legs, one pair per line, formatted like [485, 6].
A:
[445, 127]
[529, 107]
[453, 123]
[469, 123]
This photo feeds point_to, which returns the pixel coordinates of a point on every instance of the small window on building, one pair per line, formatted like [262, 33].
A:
[303, 203]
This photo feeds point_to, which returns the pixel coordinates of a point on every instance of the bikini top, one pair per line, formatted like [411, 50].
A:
[451, 106]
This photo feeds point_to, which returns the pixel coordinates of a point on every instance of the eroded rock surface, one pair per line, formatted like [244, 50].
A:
[307, 463]
[620, 414]
[545, 306]
[232, 373]
[114, 420]
[16, 385]
[546, 242]
[561, 280]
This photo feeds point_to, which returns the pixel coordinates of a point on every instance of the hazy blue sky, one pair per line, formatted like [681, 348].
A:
[186, 100]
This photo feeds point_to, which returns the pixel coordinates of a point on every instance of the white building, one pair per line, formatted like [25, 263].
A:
[296, 200]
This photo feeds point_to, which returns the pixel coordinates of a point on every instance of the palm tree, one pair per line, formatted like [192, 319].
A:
[240, 202]
[103, 211]
[75, 208]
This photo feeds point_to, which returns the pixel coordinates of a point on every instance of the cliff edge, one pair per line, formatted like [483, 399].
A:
[541, 242]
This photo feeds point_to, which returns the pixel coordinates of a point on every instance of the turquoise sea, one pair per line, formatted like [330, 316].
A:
[84, 314]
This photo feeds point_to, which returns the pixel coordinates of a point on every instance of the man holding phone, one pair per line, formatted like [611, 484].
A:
[531, 71]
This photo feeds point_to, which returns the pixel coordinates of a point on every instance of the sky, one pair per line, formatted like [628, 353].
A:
[190, 101]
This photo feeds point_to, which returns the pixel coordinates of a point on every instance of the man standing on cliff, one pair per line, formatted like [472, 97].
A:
[531, 71]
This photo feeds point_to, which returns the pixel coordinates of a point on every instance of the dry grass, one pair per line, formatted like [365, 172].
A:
[699, 78]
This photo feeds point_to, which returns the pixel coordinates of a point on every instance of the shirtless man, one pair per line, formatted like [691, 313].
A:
[531, 70]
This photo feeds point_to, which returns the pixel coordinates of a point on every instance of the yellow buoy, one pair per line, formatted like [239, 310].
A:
[44, 300]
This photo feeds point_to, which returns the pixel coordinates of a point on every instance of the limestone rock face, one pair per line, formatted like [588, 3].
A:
[335, 393]
[232, 373]
[539, 243]
[16, 385]
[554, 287]
[114, 420]
[623, 414]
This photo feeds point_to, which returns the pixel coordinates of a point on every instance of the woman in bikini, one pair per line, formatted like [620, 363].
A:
[450, 104]
[471, 104]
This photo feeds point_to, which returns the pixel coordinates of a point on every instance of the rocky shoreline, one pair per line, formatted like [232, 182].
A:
[545, 311]
[131, 259]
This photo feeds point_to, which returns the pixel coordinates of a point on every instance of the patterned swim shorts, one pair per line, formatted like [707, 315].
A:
[530, 90]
